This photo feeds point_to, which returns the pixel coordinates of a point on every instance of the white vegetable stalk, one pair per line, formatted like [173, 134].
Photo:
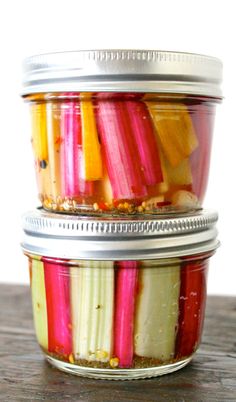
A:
[92, 301]
[157, 310]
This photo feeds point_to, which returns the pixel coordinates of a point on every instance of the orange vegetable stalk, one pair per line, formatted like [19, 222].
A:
[40, 147]
[175, 130]
[90, 144]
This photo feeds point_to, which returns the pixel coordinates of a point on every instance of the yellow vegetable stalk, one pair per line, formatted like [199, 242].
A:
[174, 129]
[157, 310]
[39, 302]
[181, 174]
[54, 142]
[40, 146]
[164, 186]
[90, 143]
[39, 130]
[178, 175]
[104, 188]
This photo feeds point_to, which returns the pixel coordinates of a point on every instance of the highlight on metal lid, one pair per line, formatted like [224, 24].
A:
[123, 70]
[75, 237]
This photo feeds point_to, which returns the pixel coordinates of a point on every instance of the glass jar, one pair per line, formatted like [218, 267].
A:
[118, 299]
[122, 131]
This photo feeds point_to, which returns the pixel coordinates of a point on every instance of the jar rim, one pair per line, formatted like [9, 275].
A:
[123, 70]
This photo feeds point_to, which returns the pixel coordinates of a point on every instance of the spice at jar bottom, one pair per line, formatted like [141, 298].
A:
[119, 318]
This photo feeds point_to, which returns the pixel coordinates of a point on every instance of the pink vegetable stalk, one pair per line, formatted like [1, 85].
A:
[126, 289]
[57, 285]
[120, 151]
[145, 138]
[73, 183]
[202, 117]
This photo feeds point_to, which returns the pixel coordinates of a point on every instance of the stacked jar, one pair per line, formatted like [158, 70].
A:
[119, 250]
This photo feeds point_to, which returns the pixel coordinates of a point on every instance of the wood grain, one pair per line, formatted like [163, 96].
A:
[25, 376]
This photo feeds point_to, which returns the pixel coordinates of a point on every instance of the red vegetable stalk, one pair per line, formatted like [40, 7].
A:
[145, 138]
[126, 289]
[72, 181]
[120, 151]
[191, 306]
[57, 284]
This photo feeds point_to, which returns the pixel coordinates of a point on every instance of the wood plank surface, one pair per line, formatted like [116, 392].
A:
[25, 376]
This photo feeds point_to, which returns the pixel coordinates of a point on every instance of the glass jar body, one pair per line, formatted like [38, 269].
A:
[121, 153]
[119, 319]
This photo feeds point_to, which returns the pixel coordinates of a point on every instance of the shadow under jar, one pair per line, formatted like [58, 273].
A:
[119, 299]
[122, 131]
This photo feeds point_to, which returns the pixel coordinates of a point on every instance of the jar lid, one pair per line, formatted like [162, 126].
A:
[98, 238]
[123, 70]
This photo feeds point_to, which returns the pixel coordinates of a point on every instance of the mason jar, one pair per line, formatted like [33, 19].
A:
[119, 299]
[122, 131]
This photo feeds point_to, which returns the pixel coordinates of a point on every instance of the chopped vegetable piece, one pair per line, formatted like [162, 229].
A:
[184, 198]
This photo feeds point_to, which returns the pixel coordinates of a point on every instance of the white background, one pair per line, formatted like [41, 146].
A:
[28, 27]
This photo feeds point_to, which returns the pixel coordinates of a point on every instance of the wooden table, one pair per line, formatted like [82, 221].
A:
[25, 376]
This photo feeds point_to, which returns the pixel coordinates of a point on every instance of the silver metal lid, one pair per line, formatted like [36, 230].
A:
[132, 238]
[123, 71]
